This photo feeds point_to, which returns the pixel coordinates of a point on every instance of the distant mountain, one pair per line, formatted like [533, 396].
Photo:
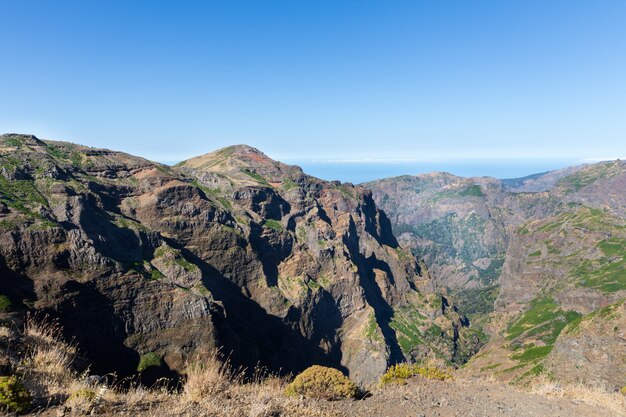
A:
[544, 181]
[539, 263]
[230, 249]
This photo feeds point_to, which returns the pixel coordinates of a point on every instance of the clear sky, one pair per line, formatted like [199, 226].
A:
[320, 80]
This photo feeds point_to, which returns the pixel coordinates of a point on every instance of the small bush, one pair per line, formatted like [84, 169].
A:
[398, 374]
[149, 360]
[322, 382]
[81, 400]
[13, 395]
[5, 304]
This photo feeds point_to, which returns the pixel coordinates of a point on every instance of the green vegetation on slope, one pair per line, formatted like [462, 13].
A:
[608, 273]
[542, 323]
[406, 322]
[258, 178]
[273, 224]
[588, 176]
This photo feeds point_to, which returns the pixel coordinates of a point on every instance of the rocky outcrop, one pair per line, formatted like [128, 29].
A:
[230, 250]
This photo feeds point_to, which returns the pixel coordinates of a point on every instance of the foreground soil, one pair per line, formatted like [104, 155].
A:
[418, 398]
[429, 398]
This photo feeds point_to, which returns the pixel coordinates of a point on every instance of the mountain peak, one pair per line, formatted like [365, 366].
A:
[17, 140]
[243, 163]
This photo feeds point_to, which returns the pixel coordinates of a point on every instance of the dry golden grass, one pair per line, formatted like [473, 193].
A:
[48, 356]
[593, 395]
[207, 376]
[5, 332]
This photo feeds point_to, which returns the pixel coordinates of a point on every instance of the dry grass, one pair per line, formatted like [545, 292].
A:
[593, 395]
[207, 376]
[48, 355]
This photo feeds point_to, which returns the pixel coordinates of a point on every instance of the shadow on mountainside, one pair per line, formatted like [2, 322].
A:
[252, 337]
[382, 310]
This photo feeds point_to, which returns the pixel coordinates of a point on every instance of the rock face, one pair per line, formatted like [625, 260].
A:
[230, 250]
[525, 259]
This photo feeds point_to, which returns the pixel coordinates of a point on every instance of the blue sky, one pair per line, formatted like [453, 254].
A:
[383, 81]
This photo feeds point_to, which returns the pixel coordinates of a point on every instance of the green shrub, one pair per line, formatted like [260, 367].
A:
[83, 393]
[322, 382]
[5, 304]
[13, 395]
[398, 374]
[149, 360]
[81, 400]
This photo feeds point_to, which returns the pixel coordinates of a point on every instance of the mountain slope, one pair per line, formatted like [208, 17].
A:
[556, 260]
[230, 250]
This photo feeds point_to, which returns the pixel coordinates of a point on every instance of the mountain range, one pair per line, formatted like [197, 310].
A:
[236, 251]
[229, 250]
[538, 263]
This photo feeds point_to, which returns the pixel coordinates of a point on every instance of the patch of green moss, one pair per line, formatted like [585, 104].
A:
[301, 234]
[472, 191]
[185, 264]
[273, 224]
[149, 360]
[288, 184]
[5, 304]
[156, 274]
[372, 331]
[258, 178]
[535, 254]
[313, 285]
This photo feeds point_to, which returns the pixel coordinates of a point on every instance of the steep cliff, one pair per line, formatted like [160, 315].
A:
[230, 249]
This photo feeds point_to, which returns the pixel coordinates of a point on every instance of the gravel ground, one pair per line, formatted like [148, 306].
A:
[426, 398]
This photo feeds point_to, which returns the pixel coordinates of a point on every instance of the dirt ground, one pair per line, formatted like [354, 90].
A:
[418, 398]
[428, 398]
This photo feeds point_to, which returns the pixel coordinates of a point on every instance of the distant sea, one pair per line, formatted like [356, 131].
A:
[358, 172]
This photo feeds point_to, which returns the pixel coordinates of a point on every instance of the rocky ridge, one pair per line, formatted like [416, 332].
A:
[230, 249]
